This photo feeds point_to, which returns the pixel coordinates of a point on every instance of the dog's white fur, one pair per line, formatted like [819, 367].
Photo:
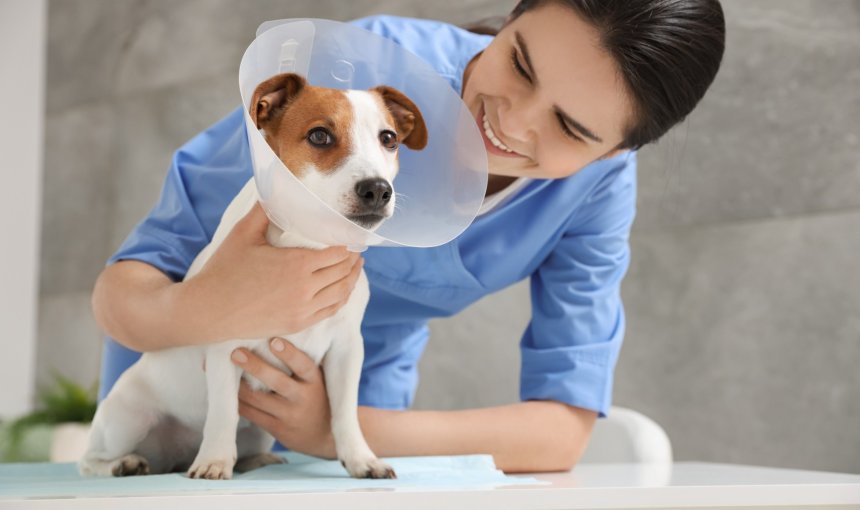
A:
[165, 406]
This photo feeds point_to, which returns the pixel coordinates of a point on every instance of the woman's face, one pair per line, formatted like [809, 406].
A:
[549, 100]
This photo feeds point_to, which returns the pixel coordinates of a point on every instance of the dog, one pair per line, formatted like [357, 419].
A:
[166, 414]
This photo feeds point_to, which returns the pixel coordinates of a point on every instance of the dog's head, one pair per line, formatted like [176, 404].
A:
[342, 145]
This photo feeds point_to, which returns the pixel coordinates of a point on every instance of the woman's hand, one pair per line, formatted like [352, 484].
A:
[250, 289]
[296, 411]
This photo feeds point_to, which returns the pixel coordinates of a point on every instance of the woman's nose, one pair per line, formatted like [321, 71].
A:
[517, 120]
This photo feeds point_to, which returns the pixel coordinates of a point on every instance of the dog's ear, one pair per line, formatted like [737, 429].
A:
[272, 96]
[410, 123]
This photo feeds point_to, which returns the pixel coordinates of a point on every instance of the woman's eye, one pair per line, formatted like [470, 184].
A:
[320, 137]
[388, 139]
[567, 131]
[515, 62]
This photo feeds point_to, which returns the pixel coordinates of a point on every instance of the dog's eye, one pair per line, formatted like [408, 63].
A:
[320, 137]
[388, 139]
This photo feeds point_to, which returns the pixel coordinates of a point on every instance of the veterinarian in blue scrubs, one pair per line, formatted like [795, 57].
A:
[569, 89]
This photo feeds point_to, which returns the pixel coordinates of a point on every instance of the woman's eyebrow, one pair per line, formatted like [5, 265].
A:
[564, 116]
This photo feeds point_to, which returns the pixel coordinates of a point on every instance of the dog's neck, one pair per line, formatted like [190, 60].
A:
[280, 239]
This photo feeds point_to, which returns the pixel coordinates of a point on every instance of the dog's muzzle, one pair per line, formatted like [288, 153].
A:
[373, 196]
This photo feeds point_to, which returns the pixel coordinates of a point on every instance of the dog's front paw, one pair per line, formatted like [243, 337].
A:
[368, 468]
[130, 465]
[215, 469]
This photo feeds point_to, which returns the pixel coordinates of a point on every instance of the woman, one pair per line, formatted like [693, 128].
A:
[564, 94]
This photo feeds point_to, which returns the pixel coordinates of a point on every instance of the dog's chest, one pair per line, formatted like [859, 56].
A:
[315, 341]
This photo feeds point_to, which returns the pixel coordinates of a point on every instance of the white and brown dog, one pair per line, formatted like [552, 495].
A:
[165, 414]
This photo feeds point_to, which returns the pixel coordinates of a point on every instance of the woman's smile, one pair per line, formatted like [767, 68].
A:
[492, 141]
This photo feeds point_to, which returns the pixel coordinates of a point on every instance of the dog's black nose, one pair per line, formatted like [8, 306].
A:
[373, 193]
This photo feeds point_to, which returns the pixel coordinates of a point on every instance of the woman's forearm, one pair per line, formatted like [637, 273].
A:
[523, 437]
[143, 309]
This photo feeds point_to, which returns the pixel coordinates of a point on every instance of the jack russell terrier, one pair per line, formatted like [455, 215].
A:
[165, 414]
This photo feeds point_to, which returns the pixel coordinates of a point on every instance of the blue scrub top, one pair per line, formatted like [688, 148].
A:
[570, 236]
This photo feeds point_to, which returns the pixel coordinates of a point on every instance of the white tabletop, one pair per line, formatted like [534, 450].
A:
[617, 486]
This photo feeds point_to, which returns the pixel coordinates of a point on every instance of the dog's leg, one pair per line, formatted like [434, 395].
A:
[342, 369]
[121, 422]
[217, 453]
[254, 447]
[258, 460]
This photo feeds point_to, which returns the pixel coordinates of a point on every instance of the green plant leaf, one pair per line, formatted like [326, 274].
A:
[64, 401]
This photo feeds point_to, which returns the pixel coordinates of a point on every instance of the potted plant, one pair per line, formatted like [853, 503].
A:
[57, 430]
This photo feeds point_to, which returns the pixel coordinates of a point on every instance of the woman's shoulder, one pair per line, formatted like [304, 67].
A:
[446, 47]
[402, 29]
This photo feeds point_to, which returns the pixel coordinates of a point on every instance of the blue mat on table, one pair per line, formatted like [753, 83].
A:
[301, 474]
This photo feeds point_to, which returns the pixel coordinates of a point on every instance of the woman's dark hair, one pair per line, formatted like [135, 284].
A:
[668, 52]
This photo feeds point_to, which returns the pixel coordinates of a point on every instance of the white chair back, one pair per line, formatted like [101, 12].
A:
[626, 436]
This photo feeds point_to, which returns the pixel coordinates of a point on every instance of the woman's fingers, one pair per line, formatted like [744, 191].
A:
[266, 401]
[279, 381]
[258, 416]
[329, 257]
[302, 366]
[340, 289]
[336, 272]
[325, 313]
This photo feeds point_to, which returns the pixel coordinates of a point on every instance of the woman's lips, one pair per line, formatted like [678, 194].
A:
[491, 148]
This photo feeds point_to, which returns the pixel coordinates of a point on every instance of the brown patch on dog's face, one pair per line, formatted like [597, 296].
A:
[323, 110]
[327, 112]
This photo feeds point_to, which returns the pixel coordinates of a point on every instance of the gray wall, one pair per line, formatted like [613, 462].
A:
[743, 294]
